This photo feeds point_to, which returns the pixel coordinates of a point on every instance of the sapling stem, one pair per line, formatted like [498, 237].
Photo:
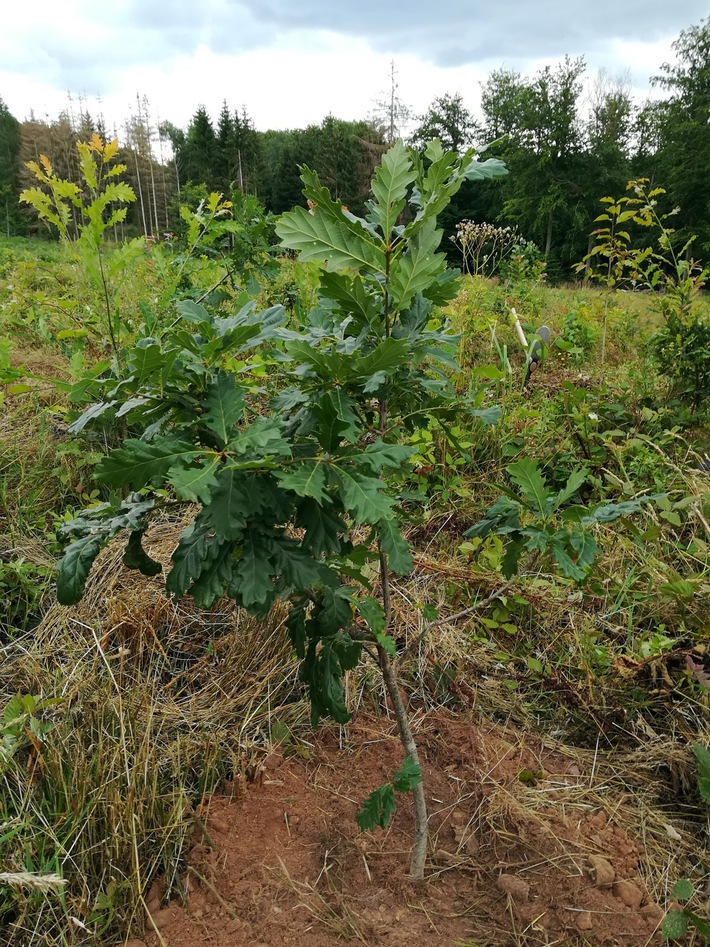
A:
[389, 674]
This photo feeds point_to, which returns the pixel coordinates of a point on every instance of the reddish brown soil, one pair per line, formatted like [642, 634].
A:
[510, 863]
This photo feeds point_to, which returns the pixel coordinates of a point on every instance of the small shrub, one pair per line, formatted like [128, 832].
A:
[682, 352]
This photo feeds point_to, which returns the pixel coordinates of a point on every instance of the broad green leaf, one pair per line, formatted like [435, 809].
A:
[344, 407]
[135, 556]
[574, 514]
[574, 482]
[224, 406]
[148, 360]
[565, 563]
[254, 572]
[608, 512]
[379, 455]
[675, 925]
[399, 557]
[196, 484]
[340, 243]
[192, 311]
[307, 480]
[586, 548]
[75, 566]
[262, 439]
[331, 426]
[323, 527]
[527, 477]
[335, 611]
[407, 776]
[322, 669]
[487, 416]
[235, 497]
[374, 383]
[388, 356]
[485, 170]
[353, 298]
[415, 270]
[296, 625]
[213, 582]
[92, 412]
[372, 614]
[94, 528]
[390, 185]
[138, 463]
[509, 562]
[702, 757]
[363, 497]
[377, 809]
[298, 570]
[327, 365]
[197, 552]
[503, 516]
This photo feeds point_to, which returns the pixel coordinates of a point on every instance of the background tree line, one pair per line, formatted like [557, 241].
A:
[566, 143]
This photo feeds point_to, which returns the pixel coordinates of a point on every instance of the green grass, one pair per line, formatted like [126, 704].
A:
[139, 727]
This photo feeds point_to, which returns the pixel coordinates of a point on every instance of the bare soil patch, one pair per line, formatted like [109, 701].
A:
[523, 850]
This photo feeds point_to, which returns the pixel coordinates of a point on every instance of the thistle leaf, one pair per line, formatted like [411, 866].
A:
[528, 479]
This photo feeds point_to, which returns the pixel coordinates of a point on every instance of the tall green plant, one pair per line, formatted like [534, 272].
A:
[612, 245]
[82, 217]
[682, 346]
[299, 503]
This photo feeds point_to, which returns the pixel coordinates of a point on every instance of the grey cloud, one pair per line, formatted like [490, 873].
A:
[446, 33]
[455, 32]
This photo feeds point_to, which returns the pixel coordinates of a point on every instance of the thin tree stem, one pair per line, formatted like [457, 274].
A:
[421, 817]
[389, 674]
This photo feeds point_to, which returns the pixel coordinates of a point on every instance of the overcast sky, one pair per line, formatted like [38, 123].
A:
[291, 62]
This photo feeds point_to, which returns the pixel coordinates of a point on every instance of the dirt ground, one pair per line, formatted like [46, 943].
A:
[521, 851]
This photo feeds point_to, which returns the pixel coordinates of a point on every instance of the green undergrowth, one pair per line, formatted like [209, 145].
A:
[102, 777]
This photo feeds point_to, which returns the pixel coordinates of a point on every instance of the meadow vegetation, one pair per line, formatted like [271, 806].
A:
[326, 444]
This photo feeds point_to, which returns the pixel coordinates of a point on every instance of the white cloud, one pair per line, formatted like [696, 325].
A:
[292, 63]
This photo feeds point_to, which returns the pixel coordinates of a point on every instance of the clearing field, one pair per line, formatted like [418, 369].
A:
[298, 537]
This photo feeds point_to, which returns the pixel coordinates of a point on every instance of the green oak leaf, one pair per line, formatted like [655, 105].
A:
[407, 776]
[306, 479]
[399, 556]
[197, 551]
[323, 527]
[135, 557]
[138, 463]
[75, 566]
[195, 484]
[364, 497]
[377, 809]
[390, 186]
[224, 406]
[253, 580]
